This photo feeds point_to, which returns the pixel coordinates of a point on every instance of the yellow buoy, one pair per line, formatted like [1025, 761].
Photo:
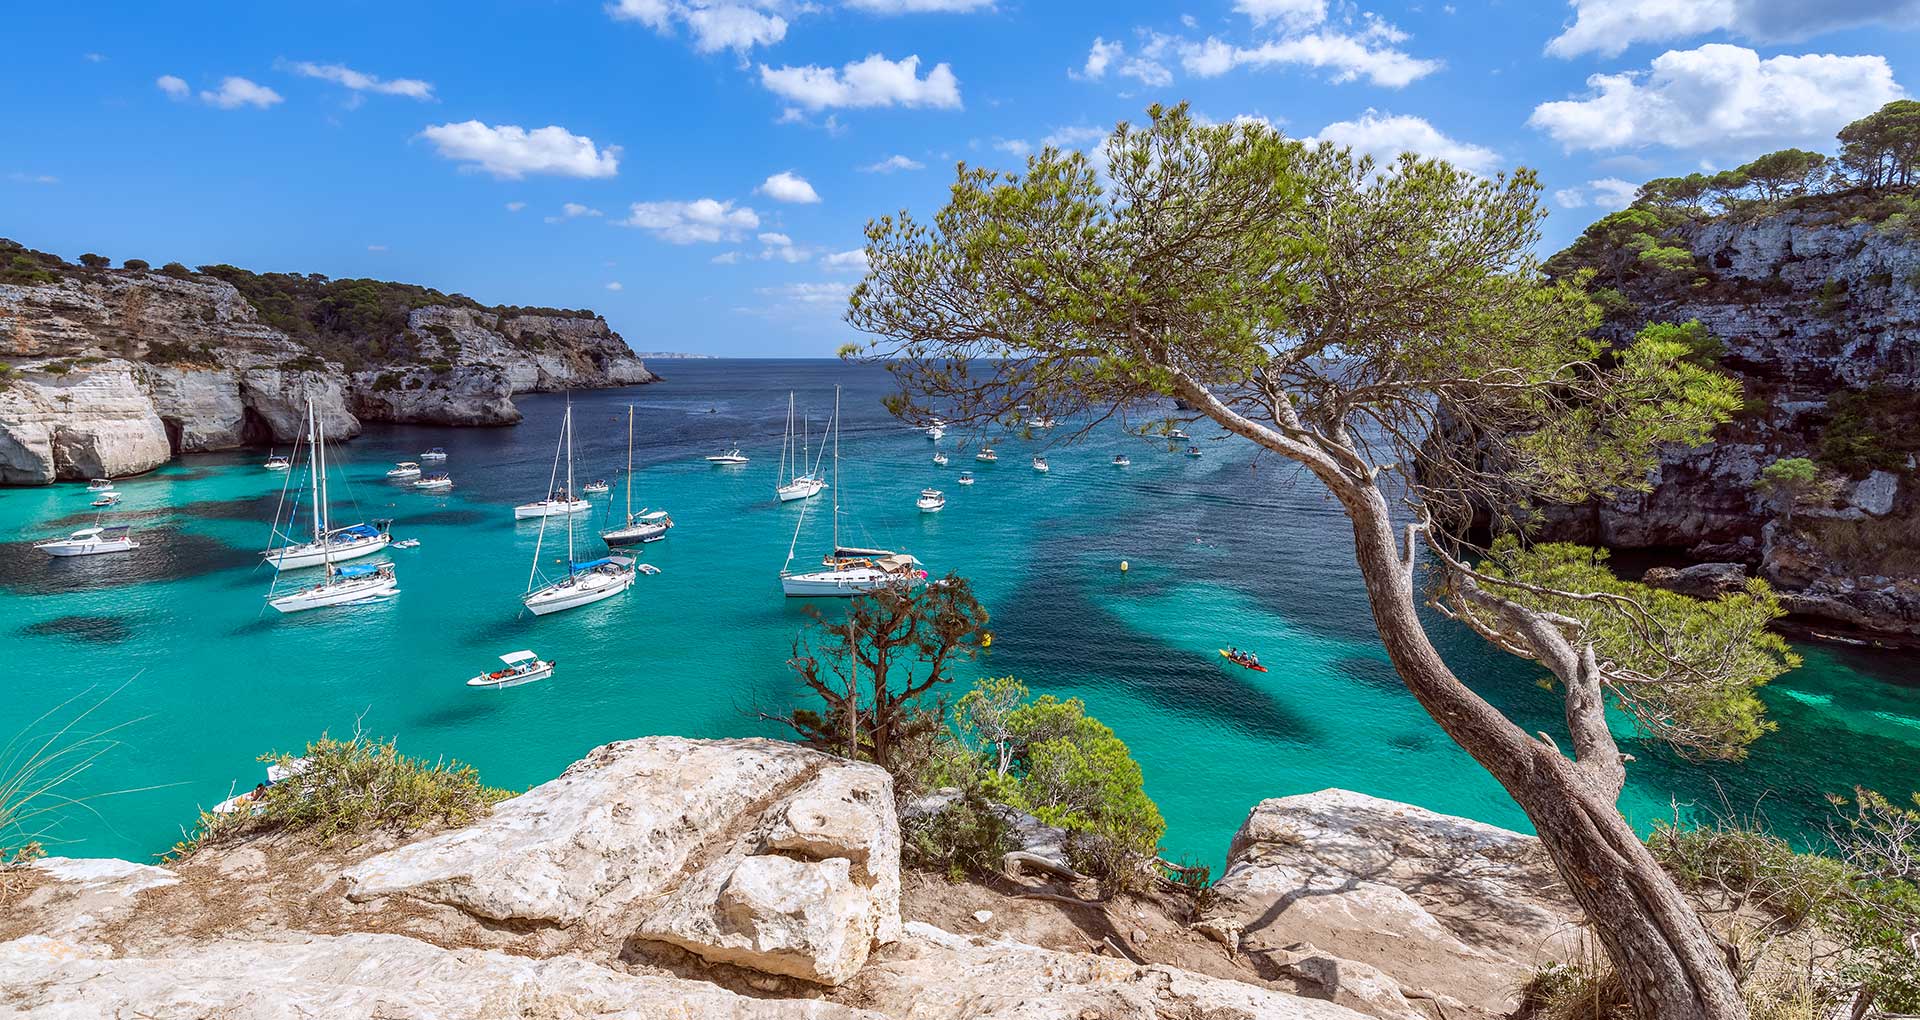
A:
[986, 640]
[1123, 566]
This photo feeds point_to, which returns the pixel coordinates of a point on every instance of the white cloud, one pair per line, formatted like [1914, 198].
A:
[811, 293]
[891, 164]
[920, 6]
[725, 258]
[1013, 146]
[1291, 13]
[875, 81]
[1721, 97]
[1605, 193]
[855, 259]
[1074, 137]
[235, 92]
[787, 186]
[359, 81]
[1102, 54]
[573, 211]
[175, 88]
[376, 247]
[781, 247]
[25, 178]
[512, 152]
[615, 285]
[516, 206]
[94, 58]
[1386, 136]
[701, 221]
[775, 239]
[1608, 27]
[1368, 54]
[714, 25]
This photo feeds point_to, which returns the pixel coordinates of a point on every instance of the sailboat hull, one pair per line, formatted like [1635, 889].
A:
[579, 590]
[634, 536]
[338, 593]
[800, 488]
[550, 508]
[313, 554]
[841, 584]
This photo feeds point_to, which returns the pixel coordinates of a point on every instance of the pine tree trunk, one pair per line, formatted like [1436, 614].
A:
[1672, 968]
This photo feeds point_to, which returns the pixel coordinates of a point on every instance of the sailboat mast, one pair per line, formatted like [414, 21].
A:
[836, 470]
[568, 428]
[786, 444]
[629, 465]
[313, 469]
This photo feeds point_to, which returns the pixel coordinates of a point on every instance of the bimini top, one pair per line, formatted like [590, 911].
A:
[846, 551]
[616, 561]
[88, 532]
[359, 569]
[516, 658]
[654, 516]
[358, 531]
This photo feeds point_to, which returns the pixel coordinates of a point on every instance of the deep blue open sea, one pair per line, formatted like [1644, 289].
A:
[1230, 548]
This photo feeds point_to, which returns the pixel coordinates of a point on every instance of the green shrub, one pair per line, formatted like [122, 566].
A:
[350, 788]
[1830, 298]
[137, 265]
[1759, 866]
[176, 270]
[1871, 428]
[964, 838]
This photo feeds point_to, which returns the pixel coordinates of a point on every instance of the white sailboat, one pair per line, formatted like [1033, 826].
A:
[585, 583]
[90, 541]
[846, 571]
[801, 480]
[563, 503]
[353, 584]
[645, 526]
[328, 544]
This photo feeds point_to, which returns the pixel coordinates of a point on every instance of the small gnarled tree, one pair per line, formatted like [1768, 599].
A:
[1338, 313]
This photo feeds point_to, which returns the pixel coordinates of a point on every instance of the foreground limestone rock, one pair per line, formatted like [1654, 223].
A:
[353, 977]
[1450, 908]
[748, 852]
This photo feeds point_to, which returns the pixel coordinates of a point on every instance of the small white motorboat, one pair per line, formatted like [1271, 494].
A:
[522, 667]
[1193, 451]
[106, 497]
[275, 462]
[276, 773]
[1122, 460]
[407, 543]
[434, 454]
[1040, 465]
[931, 501]
[89, 542]
[1041, 423]
[596, 487]
[966, 478]
[561, 504]
[433, 482]
[988, 455]
[729, 458]
[405, 469]
[940, 459]
[1178, 434]
[100, 485]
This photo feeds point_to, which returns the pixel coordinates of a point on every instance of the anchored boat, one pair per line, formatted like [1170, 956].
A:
[846, 571]
[645, 526]
[584, 583]
[931, 501]
[522, 667]
[802, 480]
[90, 542]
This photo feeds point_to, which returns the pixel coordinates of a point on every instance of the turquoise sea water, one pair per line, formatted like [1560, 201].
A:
[1231, 548]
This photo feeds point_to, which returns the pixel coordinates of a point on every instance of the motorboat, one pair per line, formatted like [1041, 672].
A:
[405, 469]
[728, 459]
[561, 504]
[1041, 423]
[100, 485]
[966, 478]
[276, 773]
[434, 454]
[90, 542]
[940, 459]
[522, 667]
[846, 572]
[407, 543]
[584, 583]
[1193, 451]
[1178, 434]
[343, 585]
[1040, 465]
[931, 501]
[1122, 460]
[351, 584]
[106, 497]
[645, 526]
[275, 462]
[646, 568]
[433, 482]
[799, 475]
[596, 487]
[988, 455]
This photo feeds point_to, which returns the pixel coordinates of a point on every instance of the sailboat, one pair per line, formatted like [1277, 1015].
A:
[846, 571]
[587, 582]
[644, 526]
[353, 584]
[328, 544]
[804, 482]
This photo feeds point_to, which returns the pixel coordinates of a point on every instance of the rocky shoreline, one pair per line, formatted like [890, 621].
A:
[666, 877]
[116, 373]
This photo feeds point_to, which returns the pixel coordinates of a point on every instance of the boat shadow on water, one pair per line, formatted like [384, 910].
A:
[100, 630]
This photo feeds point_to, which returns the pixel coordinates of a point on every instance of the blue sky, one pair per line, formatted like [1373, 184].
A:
[700, 170]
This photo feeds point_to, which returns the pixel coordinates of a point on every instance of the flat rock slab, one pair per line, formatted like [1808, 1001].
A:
[354, 977]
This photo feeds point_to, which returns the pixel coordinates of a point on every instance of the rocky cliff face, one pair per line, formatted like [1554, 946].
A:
[1810, 305]
[115, 373]
[751, 879]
